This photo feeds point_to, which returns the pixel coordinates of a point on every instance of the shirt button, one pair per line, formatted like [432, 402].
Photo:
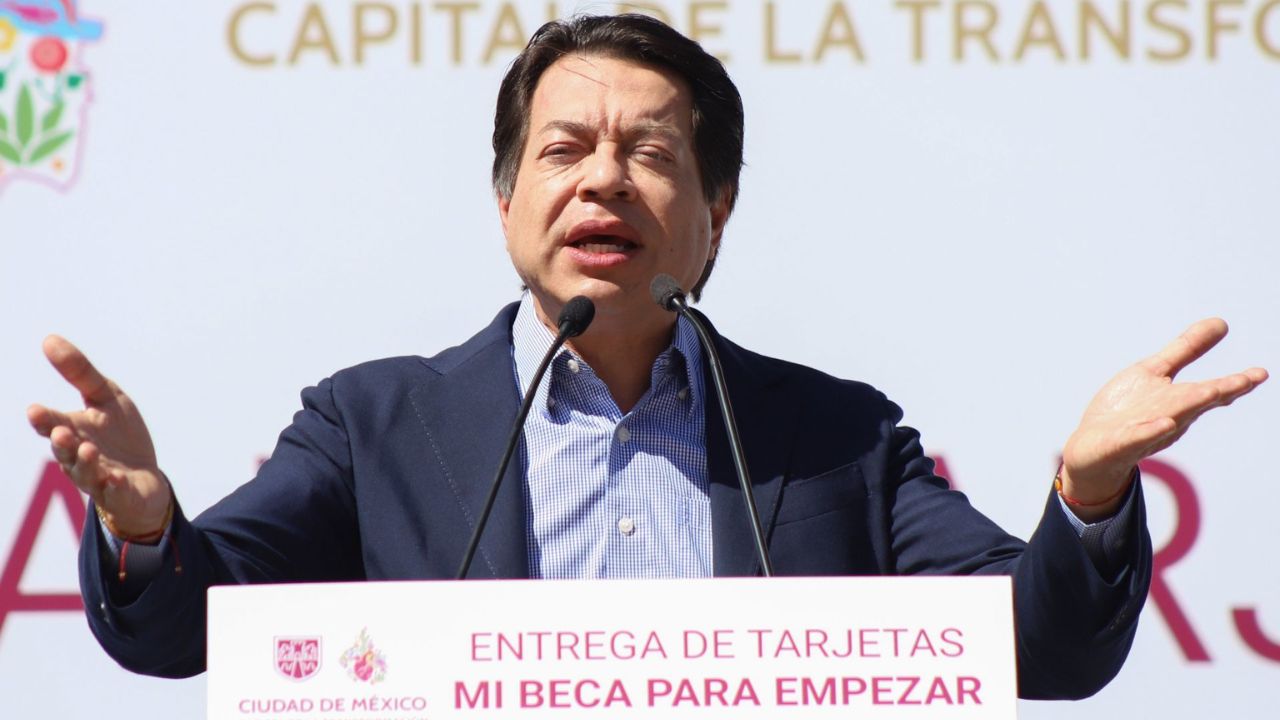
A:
[574, 366]
[627, 526]
[682, 393]
[551, 402]
[623, 434]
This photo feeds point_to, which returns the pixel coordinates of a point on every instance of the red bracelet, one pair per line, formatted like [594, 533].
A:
[1057, 485]
[148, 539]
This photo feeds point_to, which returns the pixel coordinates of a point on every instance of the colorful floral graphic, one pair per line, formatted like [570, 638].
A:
[364, 662]
[44, 91]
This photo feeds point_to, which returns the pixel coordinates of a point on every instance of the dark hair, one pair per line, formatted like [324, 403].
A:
[717, 106]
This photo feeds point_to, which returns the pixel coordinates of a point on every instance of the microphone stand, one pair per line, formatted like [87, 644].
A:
[668, 294]
[573, 321]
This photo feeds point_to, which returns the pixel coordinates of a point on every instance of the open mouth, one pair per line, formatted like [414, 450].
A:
[603, 244]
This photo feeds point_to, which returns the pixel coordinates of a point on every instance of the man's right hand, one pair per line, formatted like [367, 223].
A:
[105, 448]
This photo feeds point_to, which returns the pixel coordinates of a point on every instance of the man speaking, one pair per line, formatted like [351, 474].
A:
[618, 145]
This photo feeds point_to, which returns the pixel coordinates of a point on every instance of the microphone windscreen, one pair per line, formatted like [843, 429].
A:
[576, 315]
[665, 290]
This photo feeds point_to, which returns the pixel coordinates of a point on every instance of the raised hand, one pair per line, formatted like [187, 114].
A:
[105, 448]
[1140, 412]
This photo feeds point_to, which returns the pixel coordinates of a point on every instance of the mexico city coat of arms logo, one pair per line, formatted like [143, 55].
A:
[298, 658]
[44, 89]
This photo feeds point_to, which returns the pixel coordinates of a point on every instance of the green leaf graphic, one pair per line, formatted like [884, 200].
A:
[44, 149]
[9, 152]
[1, 79]
[26, 115]
[4, 123]
[74, 80]
[52, 117]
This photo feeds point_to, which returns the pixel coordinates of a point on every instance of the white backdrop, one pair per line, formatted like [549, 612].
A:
[986, 239]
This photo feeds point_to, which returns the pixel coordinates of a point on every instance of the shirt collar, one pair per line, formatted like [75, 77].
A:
[686, 345]
[530, 340]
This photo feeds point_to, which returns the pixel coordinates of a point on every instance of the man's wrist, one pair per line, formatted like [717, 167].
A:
[1092, 507]
[146, 538]
[145, 533]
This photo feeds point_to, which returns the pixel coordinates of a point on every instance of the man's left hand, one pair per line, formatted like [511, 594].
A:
[1140, 412]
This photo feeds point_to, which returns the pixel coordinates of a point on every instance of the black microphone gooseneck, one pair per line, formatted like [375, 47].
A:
[667, 293]
[573, 321]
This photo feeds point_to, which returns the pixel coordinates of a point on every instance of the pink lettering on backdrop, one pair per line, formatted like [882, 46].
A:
[1186, 528]
[1246, 620]
[53, 483]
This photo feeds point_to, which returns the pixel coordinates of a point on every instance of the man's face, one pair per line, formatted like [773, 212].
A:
[608, 193]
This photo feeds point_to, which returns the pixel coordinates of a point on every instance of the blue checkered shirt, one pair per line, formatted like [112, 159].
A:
[608, 493]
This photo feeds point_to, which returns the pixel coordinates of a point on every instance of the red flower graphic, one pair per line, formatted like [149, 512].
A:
[49, 54]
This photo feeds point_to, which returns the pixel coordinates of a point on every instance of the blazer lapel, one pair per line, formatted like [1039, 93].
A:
[467, 412]
[766, 423]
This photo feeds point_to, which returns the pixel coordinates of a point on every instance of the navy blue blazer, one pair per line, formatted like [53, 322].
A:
[383, 471]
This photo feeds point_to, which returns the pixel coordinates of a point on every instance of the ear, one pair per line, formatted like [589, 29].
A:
[720, 211]
[504, 208]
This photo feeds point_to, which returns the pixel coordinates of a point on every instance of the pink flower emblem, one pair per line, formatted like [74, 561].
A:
[364, 662]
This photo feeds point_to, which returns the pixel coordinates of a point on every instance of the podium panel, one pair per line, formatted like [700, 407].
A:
[706, 648]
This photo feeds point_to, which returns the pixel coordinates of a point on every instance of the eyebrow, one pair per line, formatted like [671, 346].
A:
[639, 130]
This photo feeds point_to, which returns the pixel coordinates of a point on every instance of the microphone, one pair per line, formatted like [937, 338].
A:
[667, 294]
[574, 318]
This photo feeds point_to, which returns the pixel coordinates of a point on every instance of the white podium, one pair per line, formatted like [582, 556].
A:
[713, 648]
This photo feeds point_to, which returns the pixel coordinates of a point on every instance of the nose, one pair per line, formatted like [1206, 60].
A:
[606, 176]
